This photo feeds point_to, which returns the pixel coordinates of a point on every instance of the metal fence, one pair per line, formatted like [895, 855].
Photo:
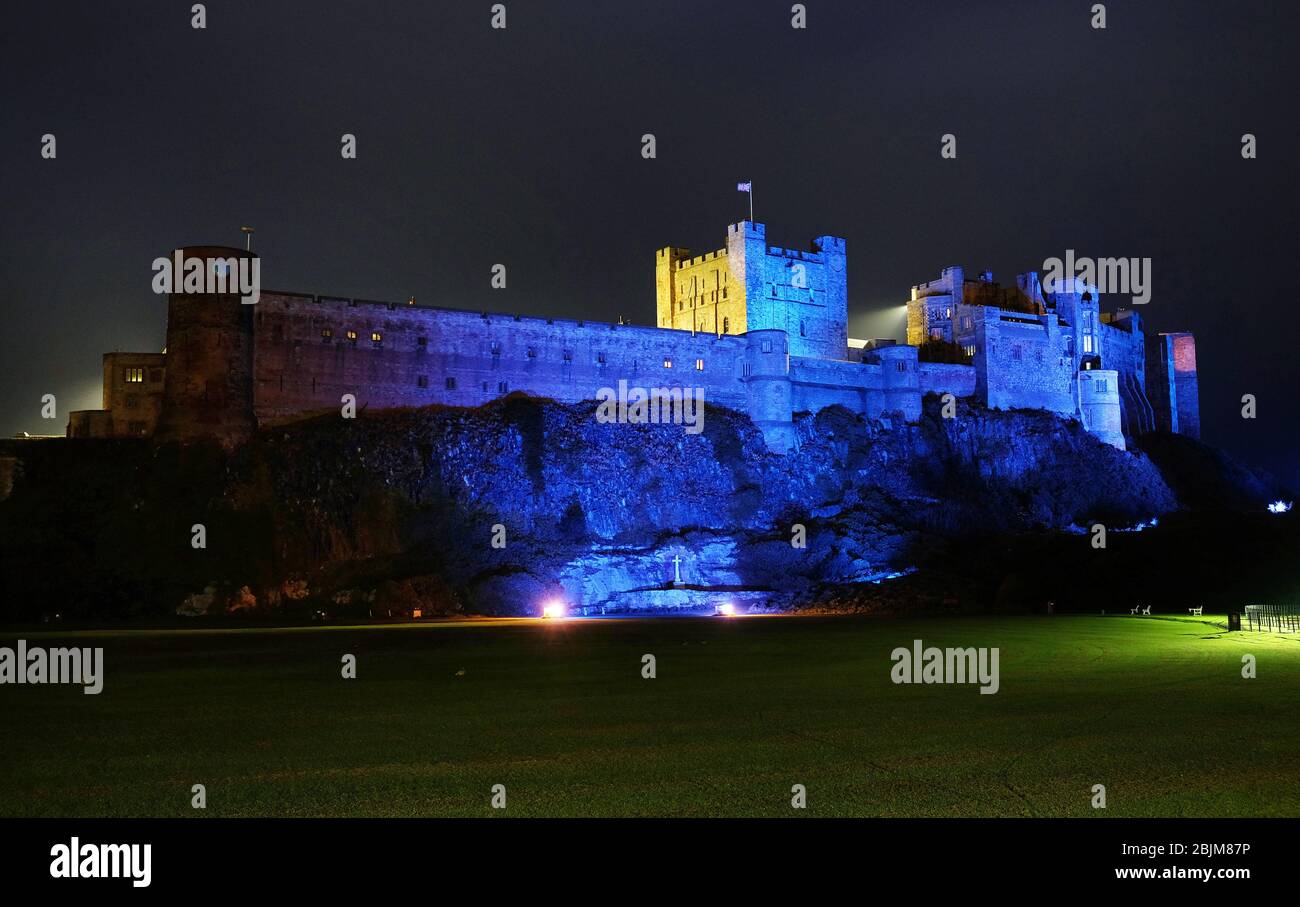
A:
[1273, 618]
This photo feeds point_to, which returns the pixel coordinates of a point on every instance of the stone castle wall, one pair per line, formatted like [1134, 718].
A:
[309, 351]
[946, 378]
[1021, 362]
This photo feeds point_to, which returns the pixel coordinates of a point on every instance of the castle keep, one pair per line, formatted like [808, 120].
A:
[761, 329]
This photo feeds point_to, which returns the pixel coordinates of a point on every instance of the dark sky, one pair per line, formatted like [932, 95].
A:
[522, 146]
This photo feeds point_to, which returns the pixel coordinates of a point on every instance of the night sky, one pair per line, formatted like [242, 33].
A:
[522, 146]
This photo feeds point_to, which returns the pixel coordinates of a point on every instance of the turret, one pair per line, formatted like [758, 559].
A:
[767, 378]
[208, 387]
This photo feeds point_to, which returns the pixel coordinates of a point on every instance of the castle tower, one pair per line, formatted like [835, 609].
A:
[900, 380]
[1172, 383]
[767, 378]
[1099, 405]
[749, 286]
[208, 387]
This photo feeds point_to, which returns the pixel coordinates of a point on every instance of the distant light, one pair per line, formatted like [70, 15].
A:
[726, 609]
[1280, 506]
[554, 609]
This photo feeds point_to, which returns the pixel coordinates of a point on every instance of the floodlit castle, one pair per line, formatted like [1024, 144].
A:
[761, 329]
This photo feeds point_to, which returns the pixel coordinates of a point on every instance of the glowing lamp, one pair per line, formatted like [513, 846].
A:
[726, 609]
[1279, 506]
[553, 609]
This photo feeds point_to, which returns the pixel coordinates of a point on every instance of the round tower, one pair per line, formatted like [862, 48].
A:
[208, 386]
[767, 378]
[1099, 405]
[900, 381]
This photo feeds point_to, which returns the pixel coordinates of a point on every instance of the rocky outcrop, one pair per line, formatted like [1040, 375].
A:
[495, 509]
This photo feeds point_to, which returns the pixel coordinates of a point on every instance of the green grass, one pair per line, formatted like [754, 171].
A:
[1155, 709]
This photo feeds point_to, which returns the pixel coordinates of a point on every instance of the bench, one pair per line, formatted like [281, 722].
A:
[1196, 612]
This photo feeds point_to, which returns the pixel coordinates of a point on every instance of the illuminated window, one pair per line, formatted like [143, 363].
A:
[327, 335]
[376, 338]
[699, 365]
[352, 337]
[668, 363]
[134, 376]
[1087, 343]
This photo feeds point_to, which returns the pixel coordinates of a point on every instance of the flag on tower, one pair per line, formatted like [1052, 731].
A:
[745, 187]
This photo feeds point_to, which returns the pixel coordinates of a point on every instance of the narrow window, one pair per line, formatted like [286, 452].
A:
[600, 358]
[327, 335]
[451, 383]
[422, 342]
[352, 337]
[422, 381]
[699, 365]
[376, 338]
[135, 376]
[502, 387]
[668, 363]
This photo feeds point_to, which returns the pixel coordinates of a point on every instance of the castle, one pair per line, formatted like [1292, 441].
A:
[762, 329]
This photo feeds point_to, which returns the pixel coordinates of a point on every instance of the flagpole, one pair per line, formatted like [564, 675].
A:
[751, 201]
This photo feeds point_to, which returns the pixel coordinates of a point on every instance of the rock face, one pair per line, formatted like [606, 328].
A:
[496, 509]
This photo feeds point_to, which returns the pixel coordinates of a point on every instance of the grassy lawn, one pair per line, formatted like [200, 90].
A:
[1153, 708]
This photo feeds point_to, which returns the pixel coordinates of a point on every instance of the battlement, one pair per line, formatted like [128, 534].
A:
[746, 228]
[701, 259]
[760, 329]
